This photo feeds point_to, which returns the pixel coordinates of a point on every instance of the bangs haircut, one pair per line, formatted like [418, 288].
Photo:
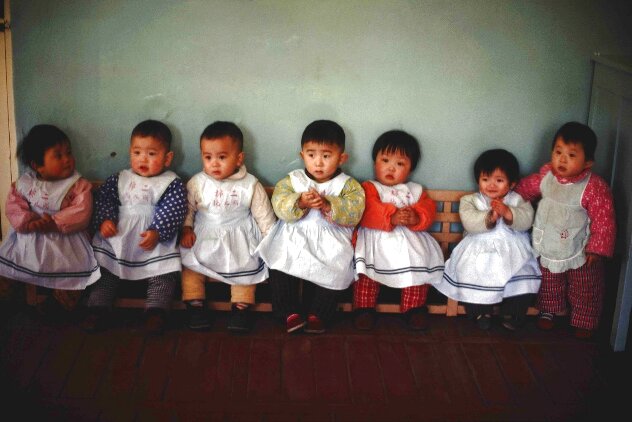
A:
[395, 141]
[493, 159]
[154, 129]
[220, 129]
[39, 139]
[578, 133]
[324, 132]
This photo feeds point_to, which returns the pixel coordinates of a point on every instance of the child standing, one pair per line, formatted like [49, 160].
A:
[138, 214]
[49, 208]
[494, 262]
[317, 208]
[392, 247]
[229, 211]
[574, 230]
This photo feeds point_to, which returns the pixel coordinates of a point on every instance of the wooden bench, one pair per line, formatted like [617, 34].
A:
[447, 230]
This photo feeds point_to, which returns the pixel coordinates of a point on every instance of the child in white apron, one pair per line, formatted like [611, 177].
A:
[49, 208]
[317, 209]
[392, 246]
[229, 212]
[494, 263]
[138, 215]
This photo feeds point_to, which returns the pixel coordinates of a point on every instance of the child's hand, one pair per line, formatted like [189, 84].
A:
[188, 237]
[502, 210]
[405, 217]
[108, 229]
[592, 259]
[491, 218]
[310, 199]
[150, 239]
[43, 224]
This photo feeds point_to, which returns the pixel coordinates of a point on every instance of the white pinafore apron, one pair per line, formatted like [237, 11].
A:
[486, 267]
[312, 248]
[120, 254]
[561, 228]
[402, 257]
[226, 233]
[53, 260]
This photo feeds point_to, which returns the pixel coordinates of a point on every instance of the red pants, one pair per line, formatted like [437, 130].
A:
[583, 287]
[365, 293]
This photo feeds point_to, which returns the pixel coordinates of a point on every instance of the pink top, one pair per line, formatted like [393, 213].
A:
[597, 201]
[74, 215]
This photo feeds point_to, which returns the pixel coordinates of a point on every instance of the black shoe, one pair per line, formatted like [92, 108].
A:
[96, 320]
[416, 319]
[197, 318]
[364, 319]
[484, 321]
[239, 320]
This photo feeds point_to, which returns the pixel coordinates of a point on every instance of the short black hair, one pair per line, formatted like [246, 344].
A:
[154, 129]
[578, 133]
[324, 132]
[398, 141]
[493, 159]
[39, 139]
[219, 129]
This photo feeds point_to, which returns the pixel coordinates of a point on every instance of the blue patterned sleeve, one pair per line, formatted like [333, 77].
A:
[106, 202]
[170, 211]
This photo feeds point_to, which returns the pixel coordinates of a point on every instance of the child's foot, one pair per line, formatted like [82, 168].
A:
[546, 321]
[197, 318]
[314, 325]
[239, 318]
[294, 322]
[583, 334]
[52, 311]
[510, 323]
[364, 319]
[416, 319]
[96, 320]
[155, 321]
[484, 321]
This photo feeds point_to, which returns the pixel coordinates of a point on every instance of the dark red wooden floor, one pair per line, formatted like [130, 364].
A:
[452, 372]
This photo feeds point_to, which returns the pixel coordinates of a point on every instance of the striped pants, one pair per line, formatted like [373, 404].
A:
[365, 292]
[160, 290]
[583, 288]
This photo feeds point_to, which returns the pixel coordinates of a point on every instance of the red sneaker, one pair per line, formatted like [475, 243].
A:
[546, 321]
[294, 322]
[314, 325]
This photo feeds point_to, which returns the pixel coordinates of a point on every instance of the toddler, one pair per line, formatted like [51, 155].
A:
[229, 211]
[317, 208]
[392, 247]
[494, 262]
[574, 230]
[49, 210]
[138, 215]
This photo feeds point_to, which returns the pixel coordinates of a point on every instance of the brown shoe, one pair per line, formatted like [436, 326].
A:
[416, 319]
[155, 321]
[364, 319]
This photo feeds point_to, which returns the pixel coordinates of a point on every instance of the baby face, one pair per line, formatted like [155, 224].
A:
[322, 160]
[58, 163]
[391, 168]
[149, 156]
[568, 159]
[221, 157]
[494, 185]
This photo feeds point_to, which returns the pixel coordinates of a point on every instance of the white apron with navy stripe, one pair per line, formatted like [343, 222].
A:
[312, 248]
[120, 254]
[486, 267]
[226, 233]
[53, 260]
[401, 257]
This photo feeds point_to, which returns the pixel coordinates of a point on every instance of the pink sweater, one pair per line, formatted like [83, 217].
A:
[75, 213]
[597, 201]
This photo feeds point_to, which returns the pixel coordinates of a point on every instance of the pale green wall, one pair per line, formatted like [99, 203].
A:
[462, 76]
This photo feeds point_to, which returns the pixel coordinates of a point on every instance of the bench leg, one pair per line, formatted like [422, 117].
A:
[452, 309]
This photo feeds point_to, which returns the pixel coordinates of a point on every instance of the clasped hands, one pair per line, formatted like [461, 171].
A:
[150, 237]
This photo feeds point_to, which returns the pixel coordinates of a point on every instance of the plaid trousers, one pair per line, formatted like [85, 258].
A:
[365, 291]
